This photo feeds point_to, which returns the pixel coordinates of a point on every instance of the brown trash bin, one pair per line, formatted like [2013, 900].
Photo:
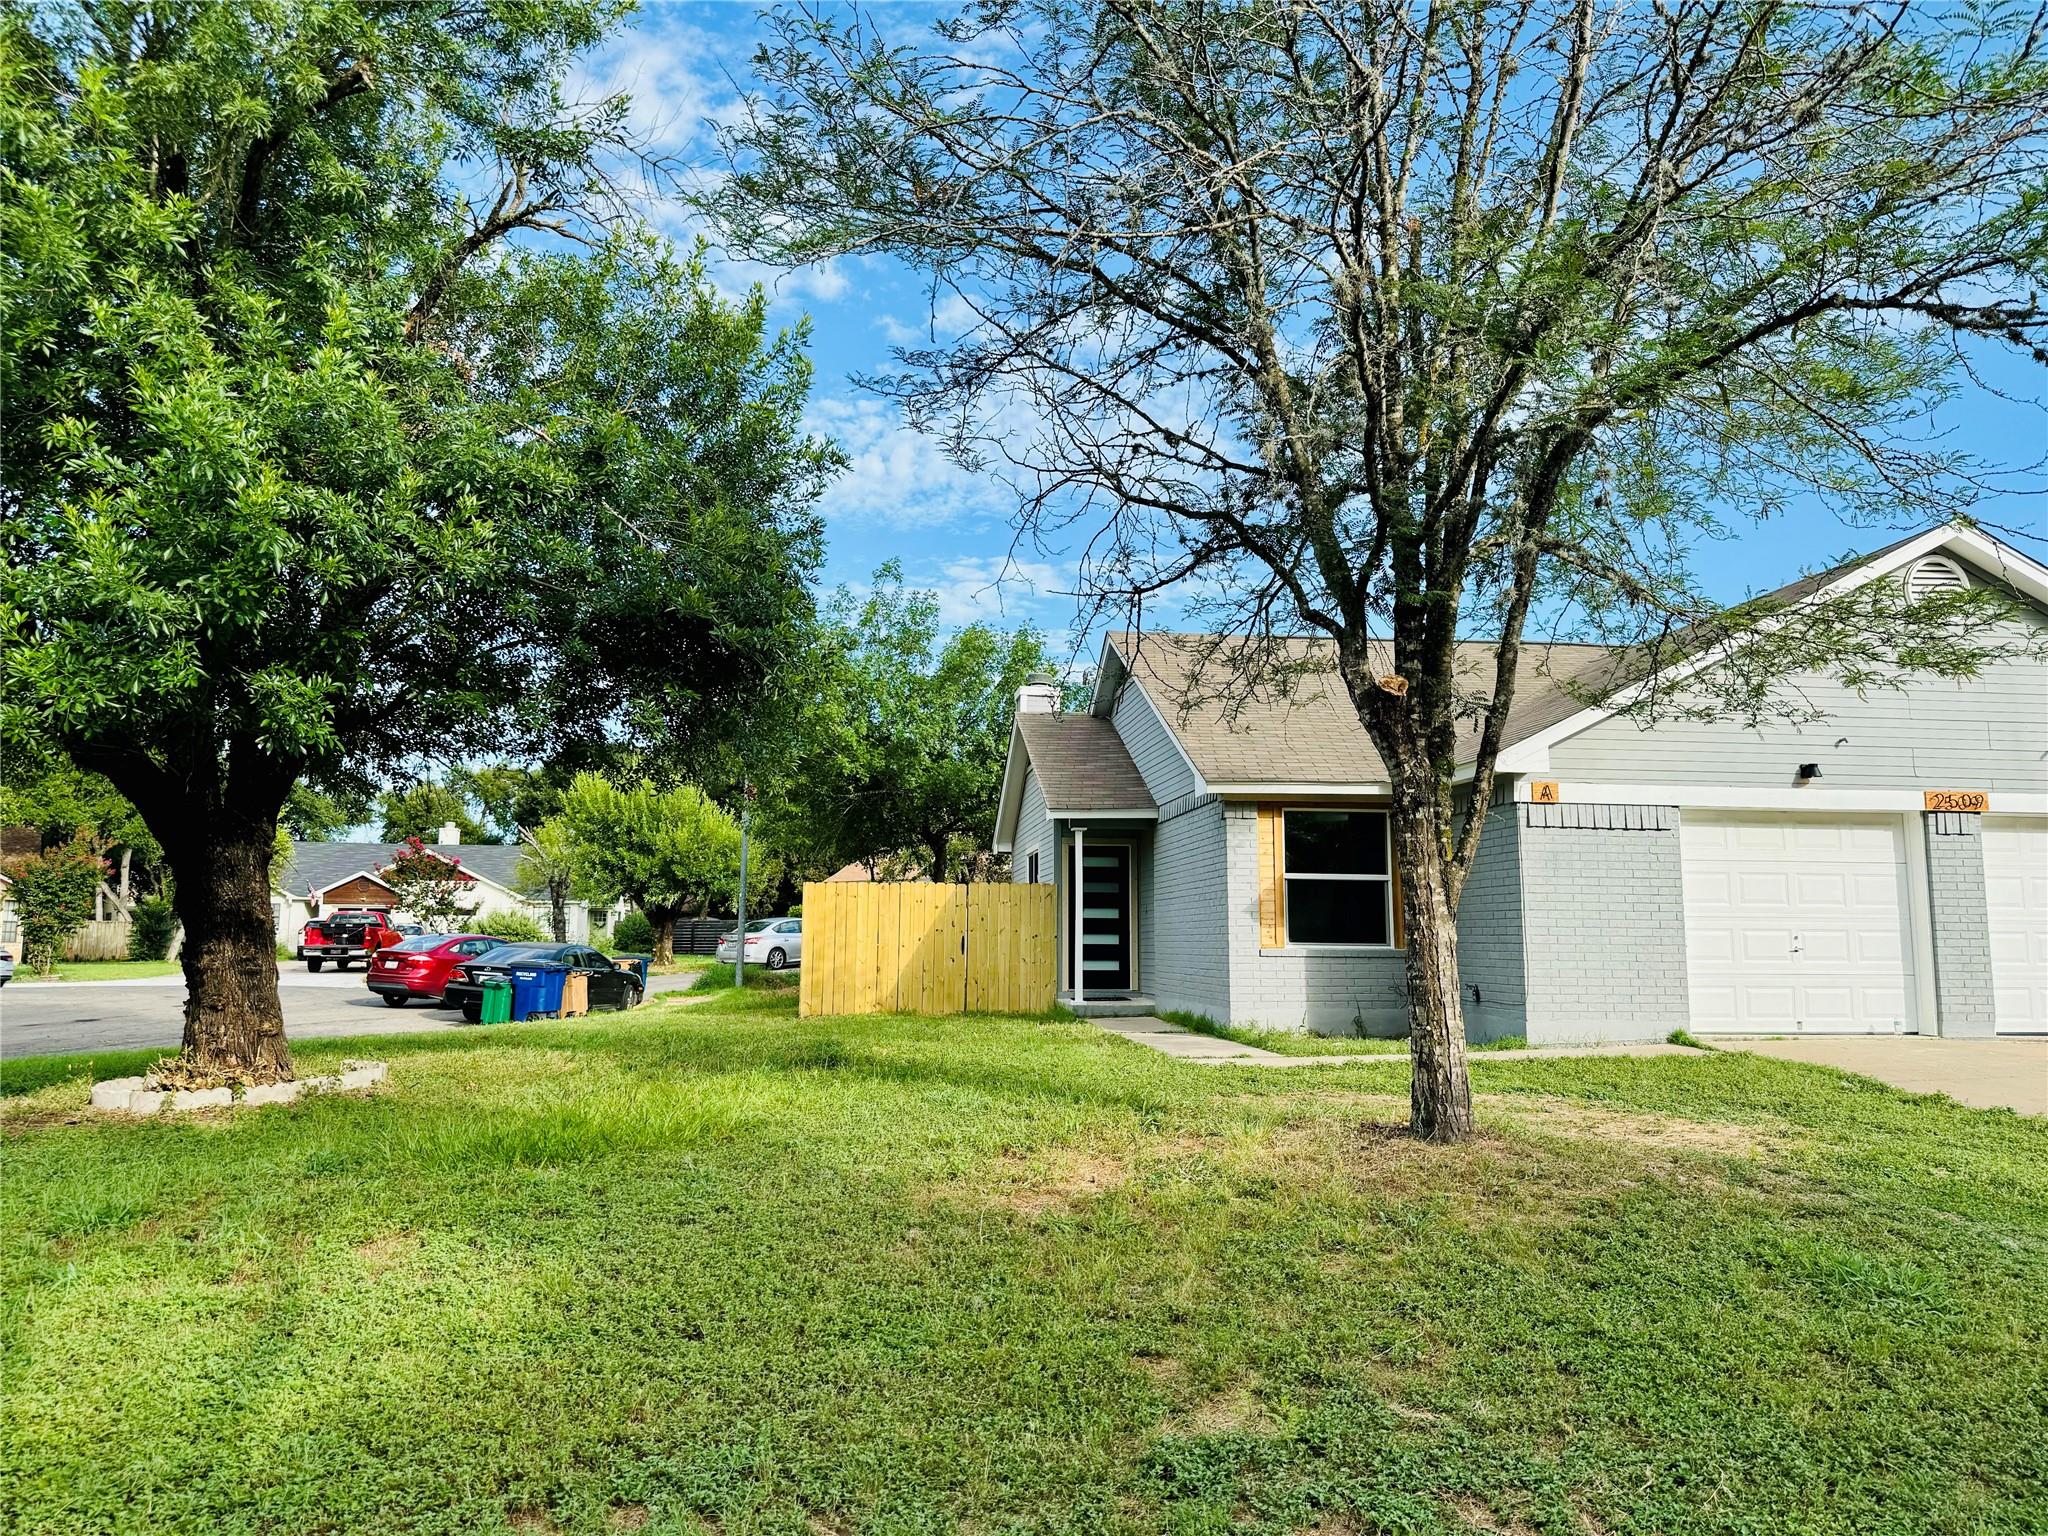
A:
[575, 994]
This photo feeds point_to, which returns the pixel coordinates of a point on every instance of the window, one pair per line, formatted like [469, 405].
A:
[1033, 877]
[1340, 886]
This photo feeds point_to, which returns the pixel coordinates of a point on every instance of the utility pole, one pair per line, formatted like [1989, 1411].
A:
[739, 941]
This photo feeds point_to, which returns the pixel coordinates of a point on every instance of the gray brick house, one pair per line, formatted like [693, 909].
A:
[1882, 870]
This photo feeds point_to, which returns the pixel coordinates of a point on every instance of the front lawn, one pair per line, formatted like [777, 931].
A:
[711, 1268]
[101, 970]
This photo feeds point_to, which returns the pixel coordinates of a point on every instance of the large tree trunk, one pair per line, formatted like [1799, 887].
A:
[664, 920]
[234, 1024]
[558, 909]
[939, 868]
[1440, 1091]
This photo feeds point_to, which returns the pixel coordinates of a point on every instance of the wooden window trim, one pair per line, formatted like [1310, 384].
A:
[1272, 851]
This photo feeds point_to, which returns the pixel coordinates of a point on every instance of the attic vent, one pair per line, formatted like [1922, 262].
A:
[1934, 573]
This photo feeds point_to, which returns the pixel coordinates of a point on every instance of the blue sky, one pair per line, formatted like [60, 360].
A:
[901, 499]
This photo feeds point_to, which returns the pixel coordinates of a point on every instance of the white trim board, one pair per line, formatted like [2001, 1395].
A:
[1742, 797]
[1263, 790]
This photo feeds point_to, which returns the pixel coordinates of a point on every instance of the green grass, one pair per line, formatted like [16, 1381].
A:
[103, 970]
[713, 1268]
[718, 978]
[1290, 1042]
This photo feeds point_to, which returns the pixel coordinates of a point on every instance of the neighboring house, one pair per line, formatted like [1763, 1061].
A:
[1884, 870]
[322, 876]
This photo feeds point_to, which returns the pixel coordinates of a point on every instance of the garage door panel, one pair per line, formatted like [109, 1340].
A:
[1797, 923]
[2016, 908]
[1770, 890]
[1762, 946]
[1820, 888]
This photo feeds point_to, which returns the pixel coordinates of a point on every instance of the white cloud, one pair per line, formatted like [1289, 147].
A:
[826, 282]
[895, 476]
[995, 588]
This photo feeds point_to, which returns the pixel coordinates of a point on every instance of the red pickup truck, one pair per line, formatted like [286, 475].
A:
[344, 935]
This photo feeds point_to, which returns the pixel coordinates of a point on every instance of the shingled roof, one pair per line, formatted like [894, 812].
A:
[1309, 733]
[316, 866]
[1083, 765]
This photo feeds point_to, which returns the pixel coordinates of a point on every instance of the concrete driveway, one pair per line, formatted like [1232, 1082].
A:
[2010, 1073]
[41, 1018]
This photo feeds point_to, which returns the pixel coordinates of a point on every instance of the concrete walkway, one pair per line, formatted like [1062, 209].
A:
[1989, 1074]
[1187, 1045]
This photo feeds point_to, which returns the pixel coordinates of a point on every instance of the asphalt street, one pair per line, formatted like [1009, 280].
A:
[41, 1017]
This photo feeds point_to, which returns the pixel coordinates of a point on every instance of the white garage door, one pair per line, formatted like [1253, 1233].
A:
[1797, 924]
[2016, 892]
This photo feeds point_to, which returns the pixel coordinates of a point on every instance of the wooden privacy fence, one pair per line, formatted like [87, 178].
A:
[927, 949]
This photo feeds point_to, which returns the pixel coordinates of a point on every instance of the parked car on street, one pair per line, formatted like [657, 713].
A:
[346, 935]
[610, 987]
[775, 942]
[417, 968]
[6, 966]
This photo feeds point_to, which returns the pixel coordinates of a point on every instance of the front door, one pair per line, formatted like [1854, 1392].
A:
[1105, 917]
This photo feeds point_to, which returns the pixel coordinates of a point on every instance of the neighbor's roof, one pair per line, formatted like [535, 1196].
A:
[1082, 764]
[316, 866]
[1310, 733]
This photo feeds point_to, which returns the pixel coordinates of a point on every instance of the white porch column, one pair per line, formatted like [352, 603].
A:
[1078, 966]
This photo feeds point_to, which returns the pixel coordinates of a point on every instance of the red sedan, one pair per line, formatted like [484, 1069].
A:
[418, 968]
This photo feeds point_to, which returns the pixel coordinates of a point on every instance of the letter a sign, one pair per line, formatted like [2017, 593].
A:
[1543, 791]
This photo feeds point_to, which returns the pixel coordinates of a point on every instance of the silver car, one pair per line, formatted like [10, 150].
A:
[776, 942]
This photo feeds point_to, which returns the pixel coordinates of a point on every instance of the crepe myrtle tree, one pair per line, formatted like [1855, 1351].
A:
[352, 424]
[1393, 322]
[431, 886]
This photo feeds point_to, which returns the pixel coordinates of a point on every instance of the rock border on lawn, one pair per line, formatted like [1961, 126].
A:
[134, 1096]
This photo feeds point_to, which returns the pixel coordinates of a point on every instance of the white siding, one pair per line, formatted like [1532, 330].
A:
[1989, 732]
[1034, 835]
[1151, 746]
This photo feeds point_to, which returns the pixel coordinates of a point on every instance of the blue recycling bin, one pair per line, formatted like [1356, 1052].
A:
[537, 989]
[637, 964]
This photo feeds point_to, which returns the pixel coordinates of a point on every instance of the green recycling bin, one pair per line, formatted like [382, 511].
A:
[497, 1000]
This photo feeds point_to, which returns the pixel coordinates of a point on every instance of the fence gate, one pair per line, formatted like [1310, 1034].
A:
[927, 949]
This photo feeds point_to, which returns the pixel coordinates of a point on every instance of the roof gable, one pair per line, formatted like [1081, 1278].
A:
[319, 866]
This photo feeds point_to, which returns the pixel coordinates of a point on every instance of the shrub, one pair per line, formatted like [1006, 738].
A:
[513, 927]
[150, 927]
[633, 934]
[53, 896]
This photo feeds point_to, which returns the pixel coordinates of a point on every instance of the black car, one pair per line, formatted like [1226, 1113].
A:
[610, 987]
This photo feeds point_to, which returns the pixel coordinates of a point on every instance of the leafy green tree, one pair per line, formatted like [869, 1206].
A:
[352, 421]
[53, 894]
[1393, 322]
[42, 790]
[548, 862]
[317, 814]
[668, 851]
[903, 745]
[510, 799]
[421, 810]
